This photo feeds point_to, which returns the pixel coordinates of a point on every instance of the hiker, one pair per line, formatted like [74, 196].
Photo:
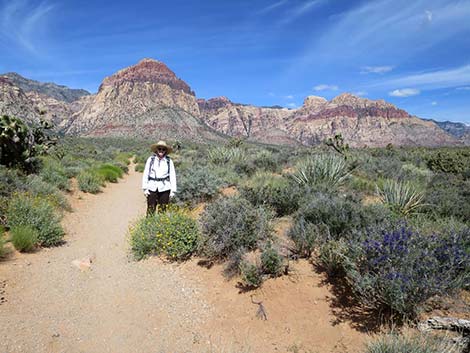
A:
[159, 179]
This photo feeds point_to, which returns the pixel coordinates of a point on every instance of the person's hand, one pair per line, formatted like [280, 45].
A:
[146, 192]
[172, 194]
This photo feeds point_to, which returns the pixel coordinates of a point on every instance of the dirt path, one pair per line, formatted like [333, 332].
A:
[119, 305]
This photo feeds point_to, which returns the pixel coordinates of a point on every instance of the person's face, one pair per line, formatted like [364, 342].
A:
[161, 151]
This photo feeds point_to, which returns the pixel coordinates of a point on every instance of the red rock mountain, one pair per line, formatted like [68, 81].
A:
[149, 100]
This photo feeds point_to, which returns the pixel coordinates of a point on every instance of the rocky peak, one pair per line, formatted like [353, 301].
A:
[214, 103]
[147, 71]
[353, 101]
[314, 102]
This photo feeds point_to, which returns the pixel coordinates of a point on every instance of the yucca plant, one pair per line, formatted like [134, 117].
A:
[401, 196]
[222, 155]
[324, 169]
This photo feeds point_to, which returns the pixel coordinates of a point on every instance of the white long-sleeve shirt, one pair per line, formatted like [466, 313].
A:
[159, 170]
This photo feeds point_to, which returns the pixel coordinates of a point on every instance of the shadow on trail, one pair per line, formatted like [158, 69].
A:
[346, 308]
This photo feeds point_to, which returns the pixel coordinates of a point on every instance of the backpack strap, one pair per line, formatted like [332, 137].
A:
[152, 161]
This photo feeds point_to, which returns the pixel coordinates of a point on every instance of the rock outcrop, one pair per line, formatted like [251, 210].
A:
[14, 102]
[143, 100]
[266, 125]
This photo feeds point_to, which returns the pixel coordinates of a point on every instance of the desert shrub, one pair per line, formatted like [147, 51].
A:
[244, 167]
[197, 185]
[89, 181]
[39, 213]
[173, 234]
[24, 238]
[109, 172]
[277, 192]
[448, 196]
[454, 161]
[340, 215]
[393, 343]
[323, 170]
[227, 175]
[38, 187]
[271, 261]
[304, 236]
[54, 173]
[361, 184]
[265, 160]
[400, 196]
[331, 255]
[250, 274]
[232, 223]
[412, 172]
[3, 241]
[399, 269]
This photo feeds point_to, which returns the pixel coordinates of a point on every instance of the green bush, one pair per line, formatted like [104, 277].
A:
[90, 182]
[38, 187]
[24, 238]
[197, 185]
[454, 161]
[265, 160]
[251, 274]
[172, 233]
[54, 173]
[277, 192]
[324, 170]
[3, 249]
[39, 213]
[332, 256]
[230, 224]
[109, 172]
[305, 236]
[341, 216]
[393, 343]
[271, 261]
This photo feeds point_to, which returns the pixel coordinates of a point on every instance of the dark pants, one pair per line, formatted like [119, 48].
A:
[157, 198]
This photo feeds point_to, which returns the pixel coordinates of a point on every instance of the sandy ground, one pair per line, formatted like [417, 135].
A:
[114, 304]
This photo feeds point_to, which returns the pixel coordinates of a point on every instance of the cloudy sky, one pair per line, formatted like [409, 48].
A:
[415, 54]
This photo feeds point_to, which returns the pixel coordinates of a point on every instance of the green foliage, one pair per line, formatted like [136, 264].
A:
[3, 241]
[265, 160]
[393, 343]
[325, 170]
[53, 172]
[24, 238]
[39, 213]
[172, 233]
[90, 182]
[454, 161]
[305, 235]
[271, 261]
[230, 224]
[197, 185]
[108, 172]
[402, 197]
[251, 274]
[223, 155]
[20, 145]
[332, 256]
[337, 143]
[277, 192]
[38, 187]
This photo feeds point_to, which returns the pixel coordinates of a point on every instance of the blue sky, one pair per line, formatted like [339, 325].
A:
[415, 54]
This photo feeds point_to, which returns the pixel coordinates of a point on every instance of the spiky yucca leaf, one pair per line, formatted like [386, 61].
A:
[326, 169]
[402, 197]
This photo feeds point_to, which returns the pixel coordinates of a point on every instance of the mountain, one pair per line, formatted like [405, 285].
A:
[146, 99]
[58, 92]
[266, 125]
[363, 122]
[460, 130]
[14, 102]
[149, 100]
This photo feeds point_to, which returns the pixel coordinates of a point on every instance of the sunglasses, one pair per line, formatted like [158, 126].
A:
[161, 149]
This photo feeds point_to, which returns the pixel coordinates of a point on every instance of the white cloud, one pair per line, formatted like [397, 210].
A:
[22, 22]
[376, 69]
[291, 105]
[405, 92]
[434, 79]
[324, 87]
[300, 10]
[272, 6]
[290, 96]
[434, 103]
[464, 88]
[428, 15]
[360, 93]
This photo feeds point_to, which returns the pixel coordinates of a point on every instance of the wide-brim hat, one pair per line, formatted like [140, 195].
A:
[163, 144]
